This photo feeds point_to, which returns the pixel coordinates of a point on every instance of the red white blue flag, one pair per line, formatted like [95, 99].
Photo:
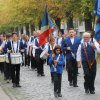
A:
[46, 28]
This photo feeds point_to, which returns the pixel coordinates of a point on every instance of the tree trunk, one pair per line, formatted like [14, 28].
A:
[88, 22]
[58, 22]
[27, 29]
[32, 27]
[69, 20]
[40, 24]
[70, 23]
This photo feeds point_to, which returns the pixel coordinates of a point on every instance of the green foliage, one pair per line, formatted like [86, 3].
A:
[19, 12]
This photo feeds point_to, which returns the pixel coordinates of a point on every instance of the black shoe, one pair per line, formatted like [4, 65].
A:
[8, 81]
[5, 78]
[55, 94]
[42, 74]
[70, 84]
[86, 91]
[75, 85]
[92, 92]
[38, 74]
[59, 95]
[14, 85]
[17, 85]
[22, 64]
[52, 81]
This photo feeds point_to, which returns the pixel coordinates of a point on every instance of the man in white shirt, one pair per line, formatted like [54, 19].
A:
[14, 46]
[86, 54]
[70, 45]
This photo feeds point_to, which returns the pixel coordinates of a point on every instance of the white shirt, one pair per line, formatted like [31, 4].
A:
[34, 46]
[78, 55]
[72, 40]
[31, 42]
[3, 44]
[15, 47]
[47, 46]
[59, 41]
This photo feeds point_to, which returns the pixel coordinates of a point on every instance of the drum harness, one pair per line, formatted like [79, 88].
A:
[13, 50]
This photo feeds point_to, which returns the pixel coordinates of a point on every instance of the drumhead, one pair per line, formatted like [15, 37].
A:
[2, 55]
[16, 55]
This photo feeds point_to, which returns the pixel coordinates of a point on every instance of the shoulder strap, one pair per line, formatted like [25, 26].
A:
[32, 39]
[84, 47]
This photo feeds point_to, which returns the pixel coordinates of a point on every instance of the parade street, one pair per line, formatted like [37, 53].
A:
[41, 88]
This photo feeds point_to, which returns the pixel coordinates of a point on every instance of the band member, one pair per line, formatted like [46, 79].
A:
[64, 36]
[71, 45]
[24, 44]
[36, 54]
[2, 42]
[50, 47]
[27, 57]
[56, 60]
[59, 38]
[86, 54]
[30, 51]
[7, 67]
[14, 46]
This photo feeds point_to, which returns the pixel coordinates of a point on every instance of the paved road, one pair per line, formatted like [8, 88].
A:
[3, 95]
[40, 88]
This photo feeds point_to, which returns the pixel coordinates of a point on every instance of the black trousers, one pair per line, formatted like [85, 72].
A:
[27, 60]
[7, 71]
[57, 82]
[40, 68]
[47, 60]
[72, 68]
[2, 67]
[22, 58]
[33, 63]
[89, 75]
[52, 76]
[39, 63]
[15, 70]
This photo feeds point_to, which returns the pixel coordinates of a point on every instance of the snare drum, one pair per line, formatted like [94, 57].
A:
[2, 58]
[43, 56]
[16, 58]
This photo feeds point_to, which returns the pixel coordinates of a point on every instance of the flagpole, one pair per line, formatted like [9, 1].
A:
[94, 21]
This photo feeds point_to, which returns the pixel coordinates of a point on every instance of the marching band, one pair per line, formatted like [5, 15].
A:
[71, 51]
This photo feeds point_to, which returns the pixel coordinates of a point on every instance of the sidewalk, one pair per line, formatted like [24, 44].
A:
[3, 96]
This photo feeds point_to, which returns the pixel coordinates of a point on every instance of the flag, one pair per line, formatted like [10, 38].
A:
[97, 7]
[97, 12]
[46, 28]
[97, 31]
